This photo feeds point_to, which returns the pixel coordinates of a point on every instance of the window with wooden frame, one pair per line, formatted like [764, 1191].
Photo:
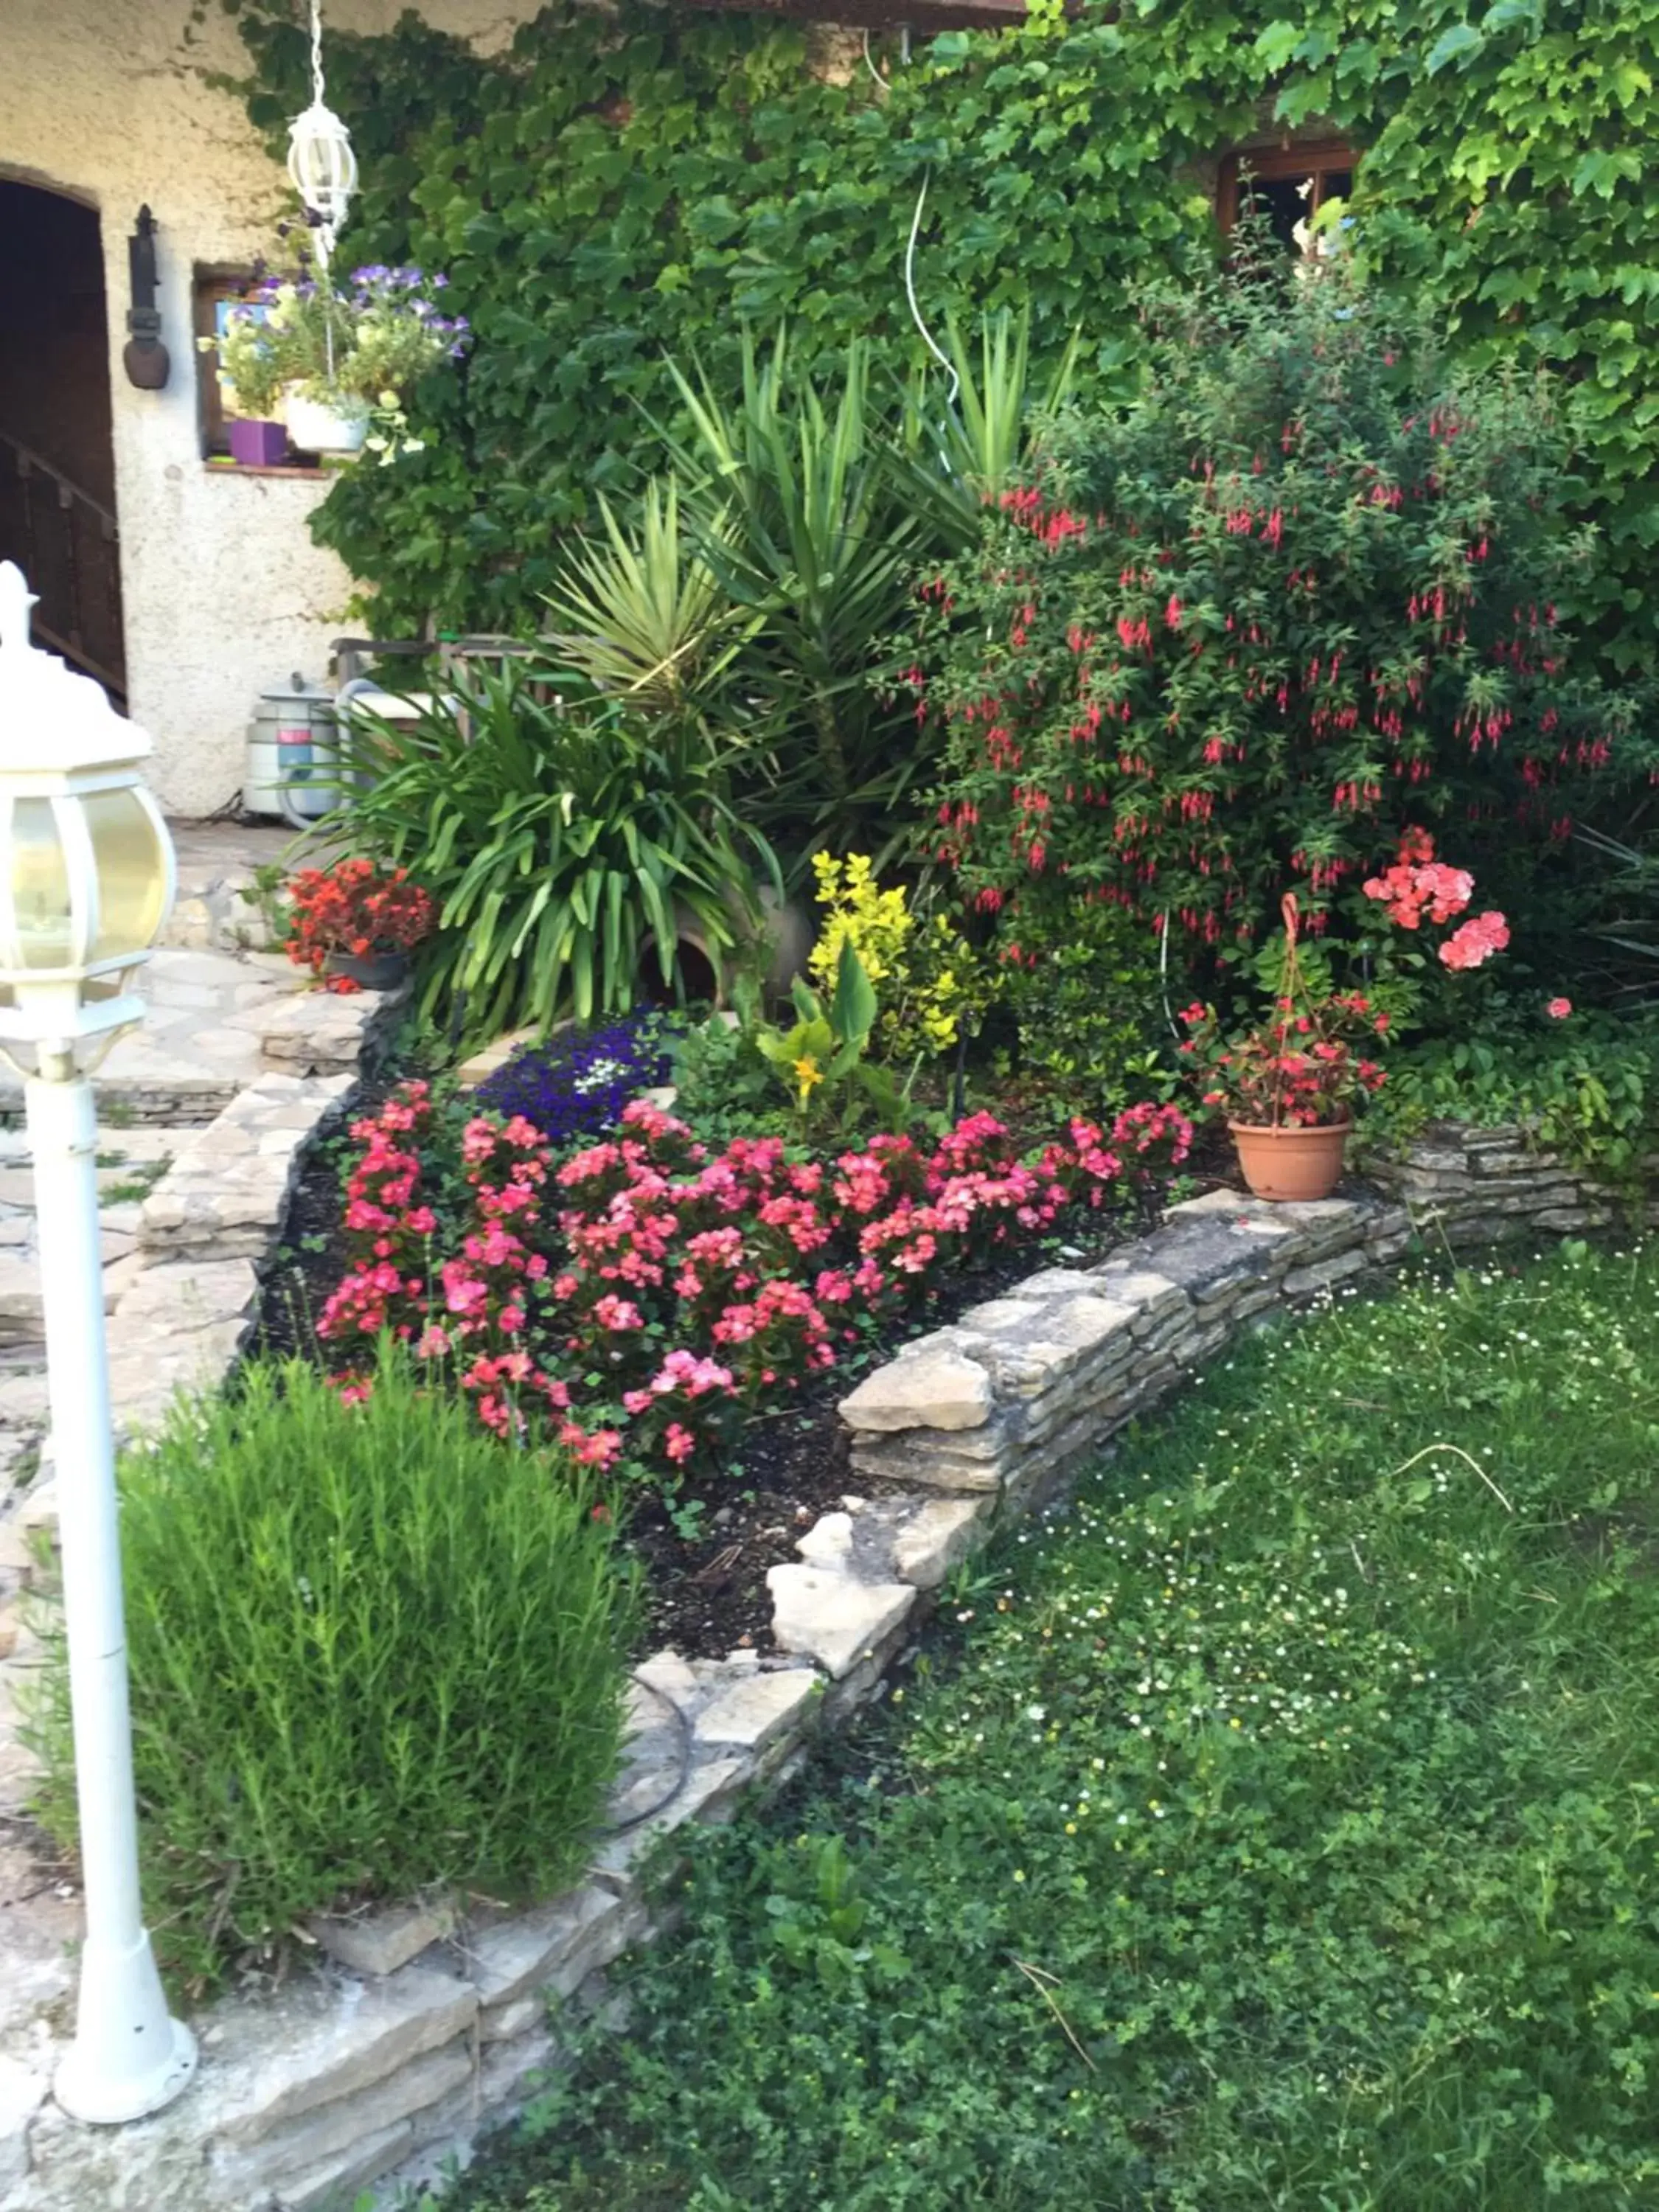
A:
[1288, 185]
[215, 288]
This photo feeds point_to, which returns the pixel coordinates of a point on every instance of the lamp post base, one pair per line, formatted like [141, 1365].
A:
[129, 2058]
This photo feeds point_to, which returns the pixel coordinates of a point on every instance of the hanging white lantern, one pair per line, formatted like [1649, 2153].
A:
[320, 162]
[322, 165]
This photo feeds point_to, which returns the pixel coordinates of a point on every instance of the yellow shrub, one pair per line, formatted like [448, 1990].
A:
[924, 976]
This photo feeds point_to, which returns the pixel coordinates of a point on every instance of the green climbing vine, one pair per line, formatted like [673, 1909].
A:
[624, 182]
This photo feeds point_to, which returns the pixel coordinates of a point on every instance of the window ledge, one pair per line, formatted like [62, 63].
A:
[218, 464]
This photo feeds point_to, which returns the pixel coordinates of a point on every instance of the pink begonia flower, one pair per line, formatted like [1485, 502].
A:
[464, 1291]
[612, 1312]
[679, 1443]
[1559, 1009]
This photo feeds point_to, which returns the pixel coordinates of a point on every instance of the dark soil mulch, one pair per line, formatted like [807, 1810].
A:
[706, 1550]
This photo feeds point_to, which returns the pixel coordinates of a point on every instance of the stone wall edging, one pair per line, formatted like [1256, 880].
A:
[427, 2024]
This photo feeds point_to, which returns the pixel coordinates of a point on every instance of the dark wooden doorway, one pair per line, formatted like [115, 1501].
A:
[57, 459]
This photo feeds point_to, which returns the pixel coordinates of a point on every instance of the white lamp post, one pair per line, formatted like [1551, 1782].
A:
[86, 882]
[321, 165]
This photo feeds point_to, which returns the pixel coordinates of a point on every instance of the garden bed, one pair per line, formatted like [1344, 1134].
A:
[296, 2081]
[707, 1547]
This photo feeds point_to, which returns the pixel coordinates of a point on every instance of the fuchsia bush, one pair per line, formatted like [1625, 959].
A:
[637, 1299]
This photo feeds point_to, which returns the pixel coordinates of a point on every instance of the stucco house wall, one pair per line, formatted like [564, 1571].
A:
[107, 101]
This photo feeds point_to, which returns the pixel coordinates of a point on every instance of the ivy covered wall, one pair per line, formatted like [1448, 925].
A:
[624, 183]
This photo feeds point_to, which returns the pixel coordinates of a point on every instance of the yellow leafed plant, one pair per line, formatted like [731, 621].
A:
[930, 979]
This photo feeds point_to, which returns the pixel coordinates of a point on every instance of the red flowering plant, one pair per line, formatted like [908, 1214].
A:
[1301, 1067]
[642, 1295]
[1308, 587]
[1304, 1065]
[358, 907]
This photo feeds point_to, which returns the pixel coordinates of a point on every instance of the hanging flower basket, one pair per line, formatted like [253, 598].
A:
[326, 426]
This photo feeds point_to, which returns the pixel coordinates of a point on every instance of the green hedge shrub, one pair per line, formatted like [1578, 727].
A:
[1081, 983]
[1586, 1087]
[371, 1648]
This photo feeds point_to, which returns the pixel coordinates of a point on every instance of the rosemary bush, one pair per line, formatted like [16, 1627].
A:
[372, 1650]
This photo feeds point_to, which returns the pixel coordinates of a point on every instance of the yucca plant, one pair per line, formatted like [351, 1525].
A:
[978, 443]
[804, 520]
[569, 838]
[643, 614]
[1628, 905]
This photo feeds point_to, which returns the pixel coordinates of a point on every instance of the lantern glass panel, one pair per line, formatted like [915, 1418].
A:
[131, 872]
[40, 889]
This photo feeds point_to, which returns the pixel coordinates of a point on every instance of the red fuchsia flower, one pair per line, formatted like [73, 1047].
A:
[1559, 1009]
[1475, 942]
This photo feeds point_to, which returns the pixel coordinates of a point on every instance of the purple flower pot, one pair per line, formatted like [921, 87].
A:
[258, 444]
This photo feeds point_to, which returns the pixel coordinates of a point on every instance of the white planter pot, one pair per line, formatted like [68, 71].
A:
[316, 426]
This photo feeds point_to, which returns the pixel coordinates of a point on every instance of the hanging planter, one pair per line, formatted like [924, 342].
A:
[1288, 1086]
[335, 425]
[334, 363]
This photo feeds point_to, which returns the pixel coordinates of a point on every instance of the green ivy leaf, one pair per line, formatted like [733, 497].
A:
[1460, 42]
[1276, 43]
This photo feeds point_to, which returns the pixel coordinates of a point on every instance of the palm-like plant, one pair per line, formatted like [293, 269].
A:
[567, 836]
[802, 518]
[965, 453]
[1631, 889]
[643, 614]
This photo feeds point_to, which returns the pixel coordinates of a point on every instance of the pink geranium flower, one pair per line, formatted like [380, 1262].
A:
[1475, 942]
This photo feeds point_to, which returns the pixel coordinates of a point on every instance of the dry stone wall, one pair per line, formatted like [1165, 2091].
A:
[426, 2022]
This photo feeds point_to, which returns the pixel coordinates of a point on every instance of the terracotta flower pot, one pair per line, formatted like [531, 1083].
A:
[1291, 1164]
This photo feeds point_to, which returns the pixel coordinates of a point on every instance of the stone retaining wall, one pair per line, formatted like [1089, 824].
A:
[427, 2021]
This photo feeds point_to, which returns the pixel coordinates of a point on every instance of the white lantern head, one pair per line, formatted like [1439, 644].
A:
[86, 864]
[323, 170]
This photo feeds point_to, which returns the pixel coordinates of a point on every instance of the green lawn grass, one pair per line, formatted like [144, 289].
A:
[1276, 1828]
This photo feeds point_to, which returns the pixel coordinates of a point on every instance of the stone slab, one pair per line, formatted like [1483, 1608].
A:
[938, 1535]
[558, 1945]
[277, 2058]
[333, 2136]
[380, 1941]
[751, 1716]
[931, 1385]
[832, 1619]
